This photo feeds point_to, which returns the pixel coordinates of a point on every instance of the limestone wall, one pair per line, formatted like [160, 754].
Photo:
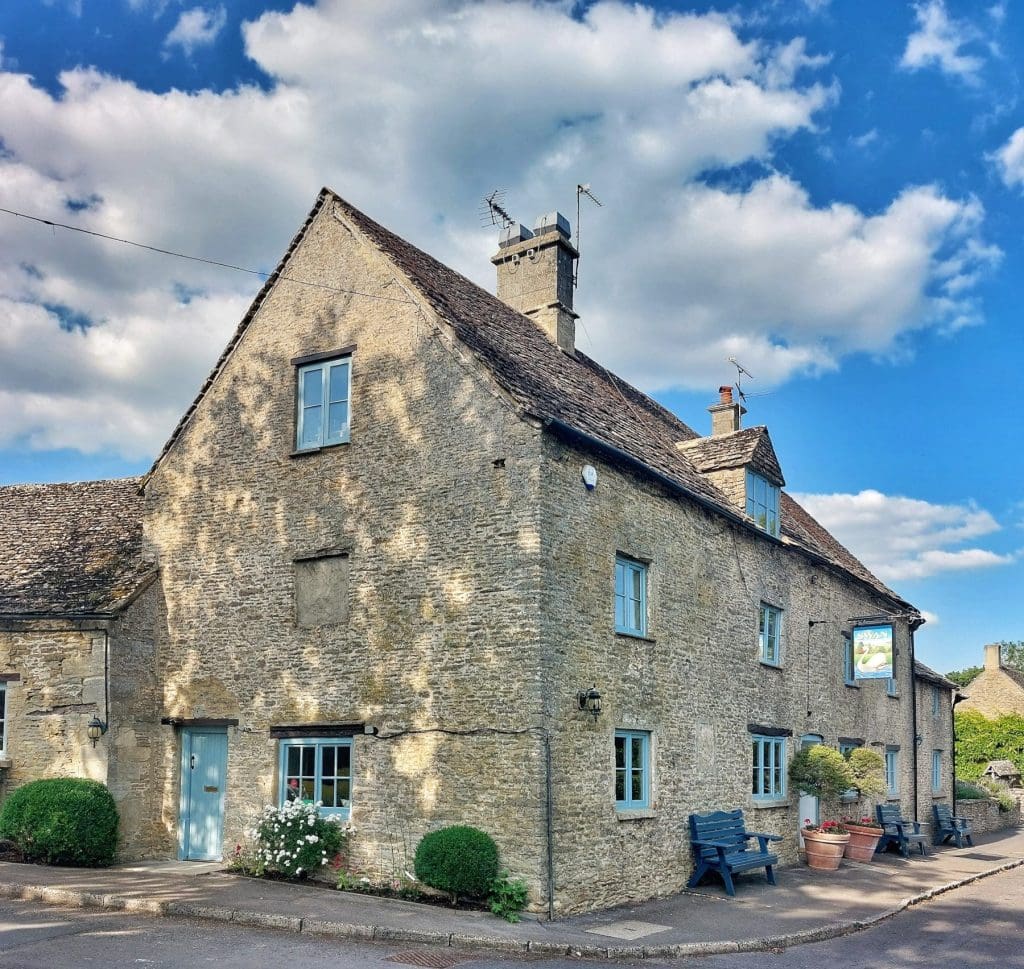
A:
[434, 501]
[695, 682]
[985, 816]
[994, 692]
[935, 728]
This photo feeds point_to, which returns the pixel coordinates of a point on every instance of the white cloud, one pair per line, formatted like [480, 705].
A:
[414, 110]
[197, 27]
[919, 538]
[931, 618]
[939, 41]
[1010, 160]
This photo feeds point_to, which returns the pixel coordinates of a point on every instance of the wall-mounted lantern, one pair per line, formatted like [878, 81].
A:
[590, 701]
[95, 729]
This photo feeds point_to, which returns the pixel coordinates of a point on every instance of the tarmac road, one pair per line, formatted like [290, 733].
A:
[979, 926]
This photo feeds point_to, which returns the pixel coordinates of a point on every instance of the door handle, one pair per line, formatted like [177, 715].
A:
[192, 762]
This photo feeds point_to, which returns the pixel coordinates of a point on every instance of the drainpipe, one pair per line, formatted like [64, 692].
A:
[912, 625]
[549, 824]
[958, 697]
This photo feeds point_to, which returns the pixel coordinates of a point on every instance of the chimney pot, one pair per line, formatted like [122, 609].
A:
[725, 395]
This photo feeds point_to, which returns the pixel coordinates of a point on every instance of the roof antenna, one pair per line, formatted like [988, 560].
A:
[580, 191]
[740, 371]
[493, 211]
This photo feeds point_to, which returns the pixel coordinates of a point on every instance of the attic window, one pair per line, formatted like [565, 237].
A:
[763, 503]
[322, 404]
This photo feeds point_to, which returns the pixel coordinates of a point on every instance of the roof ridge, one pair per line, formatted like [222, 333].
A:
[127, 479]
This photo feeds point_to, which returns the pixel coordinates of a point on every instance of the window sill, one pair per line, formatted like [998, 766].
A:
[893, 696]
[639, 814]
[851, 685]
[641, 636]
[769, 665]
[768, 804]
[893, 797]
[6, 763]
[316, 450]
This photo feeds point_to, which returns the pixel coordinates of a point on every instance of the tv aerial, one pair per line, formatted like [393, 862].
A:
[740, 371]
[493, 211]
[581, 190]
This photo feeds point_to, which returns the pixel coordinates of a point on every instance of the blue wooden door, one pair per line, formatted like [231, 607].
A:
[204, 762]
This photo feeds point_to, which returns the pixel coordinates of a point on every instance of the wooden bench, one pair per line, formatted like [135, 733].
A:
[947, 826]
[720, 843]
[896, 831]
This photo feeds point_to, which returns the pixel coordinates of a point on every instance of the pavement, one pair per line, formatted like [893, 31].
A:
[805, 906]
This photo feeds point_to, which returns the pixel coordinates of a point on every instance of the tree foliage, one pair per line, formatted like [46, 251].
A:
[1011, 652]
[980, 739]
[962, 677]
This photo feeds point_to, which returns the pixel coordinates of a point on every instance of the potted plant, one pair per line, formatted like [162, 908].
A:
[864, 837]
[867, 769]
[824, 773]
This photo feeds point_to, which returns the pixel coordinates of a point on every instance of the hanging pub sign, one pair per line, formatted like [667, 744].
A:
[872, 652]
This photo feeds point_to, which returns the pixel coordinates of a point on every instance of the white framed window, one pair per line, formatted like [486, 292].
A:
[936, 771]
[768, 774]
[630, 596]
[317, 769]
[769, 634]
[763, 503]
[892, 777]
[322, 403]
[632, 769]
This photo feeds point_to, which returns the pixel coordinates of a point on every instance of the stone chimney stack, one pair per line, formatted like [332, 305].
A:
[535, 276]
[725, 415]
[993, 659]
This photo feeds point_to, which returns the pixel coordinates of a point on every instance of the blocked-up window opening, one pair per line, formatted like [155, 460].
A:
[321, 590]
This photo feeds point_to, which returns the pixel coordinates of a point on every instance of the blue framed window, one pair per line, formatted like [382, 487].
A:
[630, 596]
[769, 767]
[936, 771]
[892, 778]
[632, 769]
[323, 403]
[318, 769]
[849, 674]
[763, 503]
[769, 635]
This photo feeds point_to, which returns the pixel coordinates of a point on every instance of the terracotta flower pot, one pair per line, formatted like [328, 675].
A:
[863, 842]
[824, 851]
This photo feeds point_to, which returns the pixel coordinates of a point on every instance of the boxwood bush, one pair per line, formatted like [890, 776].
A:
[459, 860]
[62, 821]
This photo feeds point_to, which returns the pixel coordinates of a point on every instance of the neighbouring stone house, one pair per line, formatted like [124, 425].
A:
[412, 554]
[997, 690]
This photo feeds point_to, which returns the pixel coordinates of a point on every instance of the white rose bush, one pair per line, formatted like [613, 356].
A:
[294, 840]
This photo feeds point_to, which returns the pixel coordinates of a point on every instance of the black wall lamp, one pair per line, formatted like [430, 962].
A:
[590, 701]
[95, 729]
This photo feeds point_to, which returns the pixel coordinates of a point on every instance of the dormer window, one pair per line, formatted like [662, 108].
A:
[763, 503]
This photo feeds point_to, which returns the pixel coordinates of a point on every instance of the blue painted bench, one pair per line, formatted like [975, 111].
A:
[720, 843]
[947, 826]
[896, 831]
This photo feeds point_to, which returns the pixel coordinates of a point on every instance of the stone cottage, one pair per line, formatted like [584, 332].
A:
[997, 690]
[414, 555]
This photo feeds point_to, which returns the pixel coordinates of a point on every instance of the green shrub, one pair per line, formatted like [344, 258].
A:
[994, 789]
[62, 821]
[867, 768]
[822, 772]
[965, 791]
[459, 860]
[507, 897]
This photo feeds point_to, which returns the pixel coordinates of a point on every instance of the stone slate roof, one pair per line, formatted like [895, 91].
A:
[1016, 675]
[70, 549]
[549, 384]
[749, 445]
[923, 672]
[1002, 768]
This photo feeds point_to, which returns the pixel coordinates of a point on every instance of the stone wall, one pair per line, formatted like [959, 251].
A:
[935, 728]
[61, 688]
[985, 816]
[435, 503]
[695, 682]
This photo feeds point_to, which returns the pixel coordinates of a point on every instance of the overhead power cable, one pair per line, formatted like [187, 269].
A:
[208, 262]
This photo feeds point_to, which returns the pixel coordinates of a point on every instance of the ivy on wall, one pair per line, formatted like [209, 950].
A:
[979, 740]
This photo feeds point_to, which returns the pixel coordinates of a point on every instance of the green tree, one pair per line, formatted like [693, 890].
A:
[962, 677]
[1011, 652]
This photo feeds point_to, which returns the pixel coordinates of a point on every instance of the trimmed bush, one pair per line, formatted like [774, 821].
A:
[459, 860]
[62, 821]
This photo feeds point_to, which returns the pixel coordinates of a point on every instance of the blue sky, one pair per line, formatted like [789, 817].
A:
[829, 191]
